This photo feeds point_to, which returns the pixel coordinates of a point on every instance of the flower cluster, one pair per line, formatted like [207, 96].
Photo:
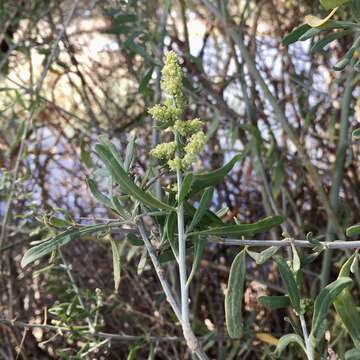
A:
[180, 154]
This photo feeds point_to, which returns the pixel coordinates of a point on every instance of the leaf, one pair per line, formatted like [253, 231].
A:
[315, 21]
[348, 56]
[353, 230]
[142, 262]
[211, 178]
[48, 246]
[345, 305]
[263, 256]
[274, 302]
[59, 223]
[126, 184]
[170, 229]
[285, 341]
[295, 34]
[204, 205]
[319, 45]
[322, 304]
[267, 338]
[101, 198]
[198, 253]
[134, 240]
[85, 155]
[209, 218]
[353, 354]
[234, 296]
[116, 262]
[356, 134]
[185, 187]
[331, 4]
[290, 283]
[242, 229]
[143, 86]
[130, 151]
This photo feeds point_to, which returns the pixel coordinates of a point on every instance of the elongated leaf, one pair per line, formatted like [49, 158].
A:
[116, 262]
[315, 21]
[356, 134]
[242, 229]
[204, 205]
[104, 140]
[331, 4]
[85, 156]
[126, 184]
[170, 229]
[142, 262]
[345, 306]
[285, 341]
[319, 45]
[295, 34]
[353, 230]
[209, 218]
[130, 151]
[234, 296]
[274, 302]
[59, 223]
[185, 187]
[101, 198]
[353, 354]
[46, 247]
[143, 86]
[211, 178]
[290, 283]
[198, 253]
[263, 256]
[322, 304]
[134, 240]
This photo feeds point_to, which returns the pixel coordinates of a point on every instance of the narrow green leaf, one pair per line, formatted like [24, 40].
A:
[234, 296]
[353, 230]
[322, 304]
[353, 354]
[285, 341]
[143, 86]
[211, 178]
[185, 187]
[101, 198]
[209, 218]
[130, 151]
[134, 240]
[345, 305]
[142, 262]
[48, 246]
[85, 155]
[198, 253]
[290, 283]
[332, 4]
[204, 205]
[274, 302]
[242, 229]
[104, 140]
[59, 223]
[126, 184]
[170, 230]
[116, 262]
[263, 256]
[327, 39]
[295, 34]
[356, 134]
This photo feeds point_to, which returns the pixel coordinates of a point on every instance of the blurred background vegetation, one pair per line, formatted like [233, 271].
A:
[105, 73]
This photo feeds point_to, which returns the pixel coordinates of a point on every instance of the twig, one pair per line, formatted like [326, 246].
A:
[29, 119]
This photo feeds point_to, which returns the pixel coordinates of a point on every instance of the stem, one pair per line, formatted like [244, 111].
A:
[190, 338]
[308, 345]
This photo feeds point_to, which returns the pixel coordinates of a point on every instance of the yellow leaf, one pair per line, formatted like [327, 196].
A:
[267, 338]
[315, 21]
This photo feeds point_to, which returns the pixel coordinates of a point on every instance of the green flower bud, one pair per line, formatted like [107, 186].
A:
[175, 164]
[195, 144]
[188, 127]
[164, 151]
[172, 75]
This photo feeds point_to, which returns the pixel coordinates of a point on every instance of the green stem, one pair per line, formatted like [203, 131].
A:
[308, 345]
